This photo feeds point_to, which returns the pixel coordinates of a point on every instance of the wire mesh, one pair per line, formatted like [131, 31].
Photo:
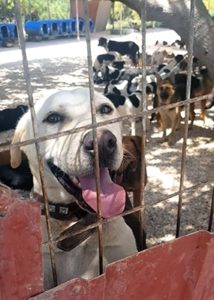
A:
[143, 114]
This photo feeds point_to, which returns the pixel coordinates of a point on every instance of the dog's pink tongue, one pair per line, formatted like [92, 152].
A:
[112, 196]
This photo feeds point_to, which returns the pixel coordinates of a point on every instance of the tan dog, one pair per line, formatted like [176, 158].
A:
[166, 94]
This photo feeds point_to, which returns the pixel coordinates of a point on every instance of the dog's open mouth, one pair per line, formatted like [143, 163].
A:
[112, 196]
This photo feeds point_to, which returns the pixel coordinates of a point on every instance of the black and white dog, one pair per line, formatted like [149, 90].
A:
[103, 60]
[124, 48]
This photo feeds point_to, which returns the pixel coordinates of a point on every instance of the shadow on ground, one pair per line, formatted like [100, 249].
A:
[46, 74]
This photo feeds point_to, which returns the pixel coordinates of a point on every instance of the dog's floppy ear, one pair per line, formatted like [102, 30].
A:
[15, 152]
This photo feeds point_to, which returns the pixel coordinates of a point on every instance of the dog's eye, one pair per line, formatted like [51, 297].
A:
[54, 118]
[105, 109]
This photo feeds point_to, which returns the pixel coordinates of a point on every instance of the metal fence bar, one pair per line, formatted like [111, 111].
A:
[187, 107]
[143, 109]
[27, 77]
[95, 141]
[211, 212]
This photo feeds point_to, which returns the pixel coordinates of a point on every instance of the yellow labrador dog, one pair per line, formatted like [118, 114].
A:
[70, 177]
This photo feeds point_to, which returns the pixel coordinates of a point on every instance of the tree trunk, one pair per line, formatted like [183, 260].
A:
[175, 15]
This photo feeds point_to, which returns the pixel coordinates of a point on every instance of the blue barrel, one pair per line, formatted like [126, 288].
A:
[54, 28]
[73, 26]
[81, 25]
[13, 34]
[4, 34]
[91, 25]
[4, 31]
[64, 29]
[8, 34]
[37, 28]
[69, 26]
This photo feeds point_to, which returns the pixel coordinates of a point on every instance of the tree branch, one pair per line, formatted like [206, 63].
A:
[175, 15]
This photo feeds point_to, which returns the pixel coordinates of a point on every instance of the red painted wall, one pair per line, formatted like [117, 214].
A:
[20, 247]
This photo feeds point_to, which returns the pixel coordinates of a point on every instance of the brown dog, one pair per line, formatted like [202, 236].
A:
[129, 173]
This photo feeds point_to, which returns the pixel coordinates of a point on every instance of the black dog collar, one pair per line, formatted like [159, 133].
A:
[60, 211]
[63, 212]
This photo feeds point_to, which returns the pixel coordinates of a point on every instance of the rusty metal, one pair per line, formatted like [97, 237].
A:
[211, 212]
[95, 141]
[180, 269]
[144, 119]
[27, 77]
[187, 107]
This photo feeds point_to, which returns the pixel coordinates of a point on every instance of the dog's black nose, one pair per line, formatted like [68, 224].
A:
[88, 142]
[107, 144]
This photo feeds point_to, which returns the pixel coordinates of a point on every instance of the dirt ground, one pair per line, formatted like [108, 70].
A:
[62, 64]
